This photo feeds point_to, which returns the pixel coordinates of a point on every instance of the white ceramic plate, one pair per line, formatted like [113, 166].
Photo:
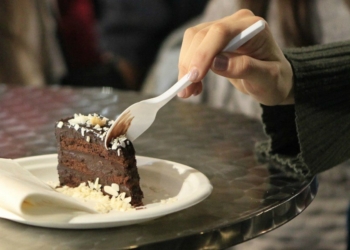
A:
[181, 186]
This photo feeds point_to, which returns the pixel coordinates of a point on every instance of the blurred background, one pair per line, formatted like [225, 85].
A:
[86, 42]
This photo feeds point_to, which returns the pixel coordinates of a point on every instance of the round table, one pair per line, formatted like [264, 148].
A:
[249, 197]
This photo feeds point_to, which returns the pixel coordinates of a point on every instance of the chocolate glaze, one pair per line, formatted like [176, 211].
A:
[81, 161]
[122, 126]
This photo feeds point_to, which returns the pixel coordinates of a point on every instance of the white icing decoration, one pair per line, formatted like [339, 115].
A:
[60, 124]
[82, 131]
[111, 191]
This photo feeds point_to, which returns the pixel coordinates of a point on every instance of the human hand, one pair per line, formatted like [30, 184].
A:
[258, 68]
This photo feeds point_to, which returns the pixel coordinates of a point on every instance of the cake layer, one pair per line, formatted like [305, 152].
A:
[88, 163]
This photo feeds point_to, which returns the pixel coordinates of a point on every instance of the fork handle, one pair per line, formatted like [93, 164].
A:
[234, 44]
[244, 36]
[164, 98]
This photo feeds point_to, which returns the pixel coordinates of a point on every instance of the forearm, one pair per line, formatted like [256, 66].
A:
[322, 110]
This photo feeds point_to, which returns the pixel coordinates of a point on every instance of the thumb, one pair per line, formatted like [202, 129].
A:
[232, 65]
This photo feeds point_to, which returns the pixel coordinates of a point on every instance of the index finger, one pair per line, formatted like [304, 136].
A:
[188, 42]
[216, 39]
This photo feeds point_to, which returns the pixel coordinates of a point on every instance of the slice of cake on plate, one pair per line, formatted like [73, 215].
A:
[83, 158]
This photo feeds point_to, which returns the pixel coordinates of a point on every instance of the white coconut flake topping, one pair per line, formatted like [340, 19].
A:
[88, 120]
[93, 195]
[119, 142]
[78, 119]
[115, 187]
[60, 124]
[94, 123]
[99, 125]
[112, 190]
[114, 146]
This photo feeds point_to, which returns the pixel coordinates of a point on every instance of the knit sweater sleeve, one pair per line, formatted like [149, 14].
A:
[314, 134]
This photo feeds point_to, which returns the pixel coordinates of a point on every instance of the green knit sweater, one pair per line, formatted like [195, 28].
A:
[314, 134]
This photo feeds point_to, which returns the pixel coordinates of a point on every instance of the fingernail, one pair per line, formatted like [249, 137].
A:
[193, 74]
[220, 62]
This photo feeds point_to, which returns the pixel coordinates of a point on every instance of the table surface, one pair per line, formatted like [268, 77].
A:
[249, 198]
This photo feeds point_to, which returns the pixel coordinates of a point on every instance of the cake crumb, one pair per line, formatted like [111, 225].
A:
[168, 201]
[93, 195]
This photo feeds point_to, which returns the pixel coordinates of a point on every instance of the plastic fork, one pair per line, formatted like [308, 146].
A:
[137, 118]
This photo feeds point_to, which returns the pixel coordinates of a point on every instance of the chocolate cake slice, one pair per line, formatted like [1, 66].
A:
[82, 156]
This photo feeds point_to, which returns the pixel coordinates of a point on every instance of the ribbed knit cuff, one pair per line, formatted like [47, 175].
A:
[322, 103]
[283, 145]
[314, 134]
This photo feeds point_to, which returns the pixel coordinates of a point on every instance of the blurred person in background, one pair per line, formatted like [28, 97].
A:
[29, 51]
[79, 40]
[85, 43]
[114, 42]
[132, 31]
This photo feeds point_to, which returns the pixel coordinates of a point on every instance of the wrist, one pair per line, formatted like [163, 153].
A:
[289, 84]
